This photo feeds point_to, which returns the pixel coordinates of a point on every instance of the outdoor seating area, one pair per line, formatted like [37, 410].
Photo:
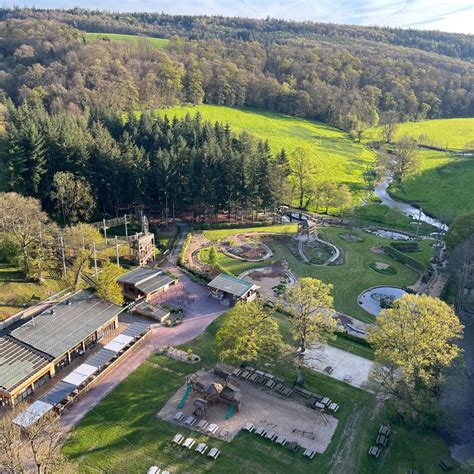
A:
[192, 421]
[157, 470]
[265, 379]
[201, 448]
[380, 442]
[279, 439]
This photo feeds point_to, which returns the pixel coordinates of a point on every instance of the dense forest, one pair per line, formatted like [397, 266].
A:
[120, 163]
[352, 81]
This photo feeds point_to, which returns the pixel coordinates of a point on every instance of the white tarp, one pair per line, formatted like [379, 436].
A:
[115, 346]
[86, 369]
[123, 339]
[32, 414]
[75, 378]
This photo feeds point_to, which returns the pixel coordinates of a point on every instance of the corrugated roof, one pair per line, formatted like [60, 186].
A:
[18, 363]
[101, 357]
[232, 285]
[136, 329]
[138, 275]
[55, 334]
[58, 393]
[154, 283]
[148, 309]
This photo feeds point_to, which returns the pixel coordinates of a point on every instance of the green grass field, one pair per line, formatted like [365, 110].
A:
[339, 158]
[135, 39]
[123, 435]
[443, 186]
[453, 134]
[349, 279]
[16, 292]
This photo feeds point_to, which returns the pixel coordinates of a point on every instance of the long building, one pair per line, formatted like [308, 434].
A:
[34, 352]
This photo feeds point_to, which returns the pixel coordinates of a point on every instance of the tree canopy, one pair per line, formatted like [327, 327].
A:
[249, 333]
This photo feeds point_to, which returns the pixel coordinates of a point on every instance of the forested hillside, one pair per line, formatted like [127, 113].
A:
[346, 76]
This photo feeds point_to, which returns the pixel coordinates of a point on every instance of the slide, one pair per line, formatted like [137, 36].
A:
[230, 411]
[185, 396]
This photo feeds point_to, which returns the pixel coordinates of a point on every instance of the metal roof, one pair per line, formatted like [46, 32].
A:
[18, 363]
[101, 357]
[73, 320]
[136, 329]
[154, 283]
[148, 309]
[229, 284]
[32, 414]
[58, 393]
[138, 275]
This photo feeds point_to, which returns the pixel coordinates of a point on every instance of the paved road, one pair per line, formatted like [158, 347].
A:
[199, 315]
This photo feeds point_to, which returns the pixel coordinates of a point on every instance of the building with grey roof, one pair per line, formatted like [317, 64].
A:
[226, 286]
[145, 283]
[56, 336]
[19, 364]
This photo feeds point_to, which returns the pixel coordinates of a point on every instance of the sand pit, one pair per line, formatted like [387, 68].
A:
[246, 248]
[270, 280]
[349, 368]
[261, 407]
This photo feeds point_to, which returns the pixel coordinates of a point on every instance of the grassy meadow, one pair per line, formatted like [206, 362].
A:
[338, 157]
[124, 426]
[350, 278]
[135, 39]
[452, 134]
[443, 187]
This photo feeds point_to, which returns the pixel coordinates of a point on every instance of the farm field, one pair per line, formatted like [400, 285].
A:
[443, 187]
[453, 134]
[124, 426]
[159, 42]
[338, 157]
[349, 279]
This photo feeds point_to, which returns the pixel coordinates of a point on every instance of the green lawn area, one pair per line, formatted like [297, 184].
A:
[349, 279]
[159, 42]
[452, 134]
[443, 187]
[16, 292]
[123, 435]
[339, 158]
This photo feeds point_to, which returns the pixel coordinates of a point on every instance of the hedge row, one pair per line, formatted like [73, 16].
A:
[406, 246]
[405, 259]
[184, 248]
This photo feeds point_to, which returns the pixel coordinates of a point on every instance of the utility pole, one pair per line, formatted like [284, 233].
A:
[117, 250]
[63, 257]
[95, 261]
[105, 231]
[82, 233]
[126, 228]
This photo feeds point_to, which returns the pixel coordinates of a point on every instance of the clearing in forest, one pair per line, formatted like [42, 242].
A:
[159, 42]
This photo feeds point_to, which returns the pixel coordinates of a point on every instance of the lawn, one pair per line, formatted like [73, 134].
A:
[443, 187]
[349, 279]
[17, 292]
[135, 39]
[123, 435]
[339, 158]
[453, 134]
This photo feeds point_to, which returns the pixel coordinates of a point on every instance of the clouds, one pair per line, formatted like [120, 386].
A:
[446, 15]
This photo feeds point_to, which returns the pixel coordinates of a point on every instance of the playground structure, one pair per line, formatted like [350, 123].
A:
[208, 392]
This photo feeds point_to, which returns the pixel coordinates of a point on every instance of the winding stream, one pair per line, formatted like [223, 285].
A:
[410, 211]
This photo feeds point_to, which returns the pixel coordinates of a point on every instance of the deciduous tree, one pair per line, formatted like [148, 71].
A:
[414, 341]
[249, 333]
[107, 286]
[309, 305]
[404, 160]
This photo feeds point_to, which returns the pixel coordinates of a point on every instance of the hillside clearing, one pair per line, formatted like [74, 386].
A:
[338, 157]
[159, 42]
[453, 134]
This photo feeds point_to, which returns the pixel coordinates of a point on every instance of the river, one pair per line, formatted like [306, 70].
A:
[410, 211]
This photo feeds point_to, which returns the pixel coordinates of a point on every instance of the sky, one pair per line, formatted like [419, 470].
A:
[455, 16]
